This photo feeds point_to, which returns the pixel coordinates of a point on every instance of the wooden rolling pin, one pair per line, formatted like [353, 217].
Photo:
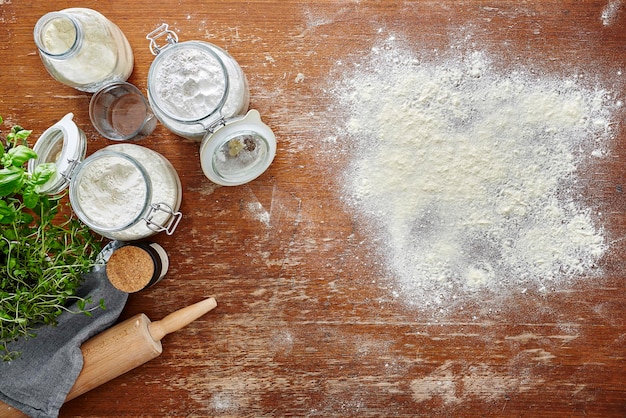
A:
[123, 347]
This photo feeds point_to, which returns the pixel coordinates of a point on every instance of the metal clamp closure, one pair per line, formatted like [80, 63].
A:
[172, 221]
[215, 125]
[163, 30]
[71, 167]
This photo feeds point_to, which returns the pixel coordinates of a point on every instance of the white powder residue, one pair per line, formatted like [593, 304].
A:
[223, 402]
[468, 175]
[453, 383]
[258, 212]
[609, 13]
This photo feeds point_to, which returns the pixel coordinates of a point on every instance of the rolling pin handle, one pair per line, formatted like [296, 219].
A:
[177, 320]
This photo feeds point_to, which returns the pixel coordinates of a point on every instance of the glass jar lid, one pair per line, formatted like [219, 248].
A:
[63, 144]
[187, 81]
[237, 150]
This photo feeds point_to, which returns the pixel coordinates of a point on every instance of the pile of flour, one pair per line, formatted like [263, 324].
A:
[468, 176]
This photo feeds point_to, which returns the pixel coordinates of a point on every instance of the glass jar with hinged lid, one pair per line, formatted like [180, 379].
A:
[124, 191]
[191, 84]
[198, 91]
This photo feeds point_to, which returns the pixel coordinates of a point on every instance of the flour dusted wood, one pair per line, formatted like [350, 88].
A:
[467, 173]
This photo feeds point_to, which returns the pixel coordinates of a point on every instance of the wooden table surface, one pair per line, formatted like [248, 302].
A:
[305, 324]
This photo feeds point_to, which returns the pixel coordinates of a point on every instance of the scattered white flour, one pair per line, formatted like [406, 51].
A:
[259, 213]
[609, 13]
[468, 175]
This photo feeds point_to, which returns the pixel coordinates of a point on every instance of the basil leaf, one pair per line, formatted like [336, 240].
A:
[43, 173]
[11, 179]
[20, 154]
[31, 197]
[6, 212]
[18, 133]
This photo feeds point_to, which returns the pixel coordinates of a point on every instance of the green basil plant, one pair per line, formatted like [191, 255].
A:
[44, 249]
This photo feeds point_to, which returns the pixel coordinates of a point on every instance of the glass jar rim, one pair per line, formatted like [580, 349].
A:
[164, 54]
[67, 136]
[46, 20]
[74, 191]
[247, 125]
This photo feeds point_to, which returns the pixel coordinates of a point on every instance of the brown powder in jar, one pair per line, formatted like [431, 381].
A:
[130, 269]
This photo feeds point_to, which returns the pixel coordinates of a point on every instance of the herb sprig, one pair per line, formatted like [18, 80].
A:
[43, 251]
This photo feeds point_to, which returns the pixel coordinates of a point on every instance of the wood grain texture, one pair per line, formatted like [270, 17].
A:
[305, 324]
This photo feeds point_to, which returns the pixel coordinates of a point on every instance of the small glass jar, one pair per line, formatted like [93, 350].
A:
[192, 84]
[124, 191]
[137, 266]
[83, 49]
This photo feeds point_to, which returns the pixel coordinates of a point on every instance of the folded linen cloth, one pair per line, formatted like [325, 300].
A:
[38, 382]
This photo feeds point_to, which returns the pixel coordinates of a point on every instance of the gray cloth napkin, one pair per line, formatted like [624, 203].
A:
[38, 382]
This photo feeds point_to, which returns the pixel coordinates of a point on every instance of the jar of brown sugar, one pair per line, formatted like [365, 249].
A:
[137, 266]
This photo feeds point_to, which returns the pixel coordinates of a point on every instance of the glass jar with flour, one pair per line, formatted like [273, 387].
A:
[198, 91]
[124, 191]
[192, 84]
[83, 49]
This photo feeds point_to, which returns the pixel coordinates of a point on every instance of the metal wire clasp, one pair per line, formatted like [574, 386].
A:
[69, 171]
[163, 30]
[215, 125]
[171, 223]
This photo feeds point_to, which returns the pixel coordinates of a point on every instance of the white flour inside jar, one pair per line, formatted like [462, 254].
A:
[467, 176]
[112, 192]
[195, 84]
[190, 84]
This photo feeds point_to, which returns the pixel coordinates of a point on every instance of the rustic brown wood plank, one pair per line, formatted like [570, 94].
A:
[305, 324]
